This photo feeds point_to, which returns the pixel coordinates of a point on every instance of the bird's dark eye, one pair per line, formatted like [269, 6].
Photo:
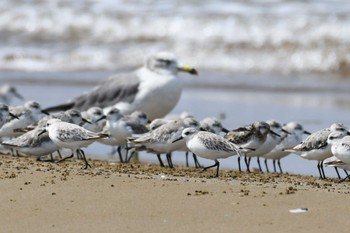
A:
[165, 61]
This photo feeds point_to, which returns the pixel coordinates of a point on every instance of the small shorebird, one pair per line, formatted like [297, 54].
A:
[25, 115]
[249, 139]
[4, 114]
[153, 89]
[33, 144]
[315, 146]
[340, 147]
[290, 137]
[159, 141]
[7, 93]
[71, 136]
[209, 146]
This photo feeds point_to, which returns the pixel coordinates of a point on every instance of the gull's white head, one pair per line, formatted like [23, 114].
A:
[166, 63]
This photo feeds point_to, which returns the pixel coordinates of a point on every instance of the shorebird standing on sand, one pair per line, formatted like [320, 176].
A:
[209, 146]
[71, 136]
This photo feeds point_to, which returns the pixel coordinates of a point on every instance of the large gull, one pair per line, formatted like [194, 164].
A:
[153, 89]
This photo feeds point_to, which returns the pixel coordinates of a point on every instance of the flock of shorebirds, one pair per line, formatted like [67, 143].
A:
[127, 111]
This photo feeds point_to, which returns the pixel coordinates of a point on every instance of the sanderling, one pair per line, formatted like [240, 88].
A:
[7, 93]
[212, 125]
[208, 145]
[26, 115]
[271, 139]
[5, 114]
[315, 146]
[209, 124]
[159, 141]
[249, 139]
[96, 120]
[337, 163]
[121, 127]
[153, 89]
[290, 137]
[32, 144]
[71, 136]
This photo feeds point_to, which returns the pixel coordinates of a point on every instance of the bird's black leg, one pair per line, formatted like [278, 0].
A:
[279, 165]
[170, 162]
[80, 151]
[59, 154]
[217, 165]
[336, 170]
[195, 159]
[274, 166]
[131, 156]
[239, 163]
[69, 157]
[160, 160]
[186, 154]
[258, 160]
[119, 150]
[267, 167]
[247, 162]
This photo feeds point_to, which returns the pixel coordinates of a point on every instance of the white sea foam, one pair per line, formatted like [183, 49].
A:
[242, 36]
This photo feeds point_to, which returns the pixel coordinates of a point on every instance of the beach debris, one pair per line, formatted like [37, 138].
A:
[298, 210]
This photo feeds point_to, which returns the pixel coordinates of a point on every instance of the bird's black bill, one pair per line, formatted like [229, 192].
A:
[285, 131]
[307, 132]
[86, 121]
[225, 130]
[14, 116]
[101, 118]
[177, 139]
[45, 112]
[274, 133]
[43, 131]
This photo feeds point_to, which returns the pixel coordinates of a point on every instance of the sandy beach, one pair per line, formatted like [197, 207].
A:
[111, 197]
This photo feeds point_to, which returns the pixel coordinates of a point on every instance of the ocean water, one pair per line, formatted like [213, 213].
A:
[249, 36]
[257, 60]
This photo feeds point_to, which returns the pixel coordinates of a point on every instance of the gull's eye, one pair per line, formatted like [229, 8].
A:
[165, 61]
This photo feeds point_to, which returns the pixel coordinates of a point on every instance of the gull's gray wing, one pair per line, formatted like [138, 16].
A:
[117, 88]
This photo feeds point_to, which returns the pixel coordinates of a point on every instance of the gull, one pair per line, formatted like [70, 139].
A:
[7, 93]
[153, 89]
[209, 146]
[315, 146]
[291, 135]
[28, 114]
[5, 114]
[71, 136]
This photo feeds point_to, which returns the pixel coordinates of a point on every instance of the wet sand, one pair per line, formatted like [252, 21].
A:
[111, 197]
